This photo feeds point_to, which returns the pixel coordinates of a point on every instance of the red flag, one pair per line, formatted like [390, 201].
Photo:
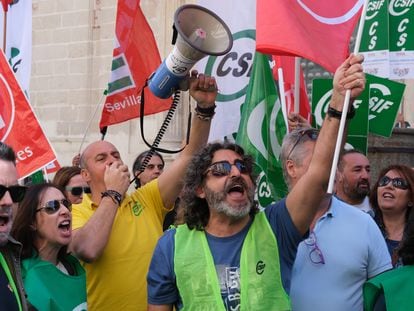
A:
[135, 57]
[287, 63]
[316, 30]
[5, 4]
[52, 167]
[19, 127]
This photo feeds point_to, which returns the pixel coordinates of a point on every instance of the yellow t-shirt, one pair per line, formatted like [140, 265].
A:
[117, 280]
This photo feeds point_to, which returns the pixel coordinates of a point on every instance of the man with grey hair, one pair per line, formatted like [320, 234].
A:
[344, 247]
[11, 286]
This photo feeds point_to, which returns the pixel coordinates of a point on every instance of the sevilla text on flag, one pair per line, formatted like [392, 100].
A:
[135, 58]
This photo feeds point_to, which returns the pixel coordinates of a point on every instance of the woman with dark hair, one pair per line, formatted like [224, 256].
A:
[69, 179]
[392, 199]
[52, 277]
[394, 289]
[152, 170]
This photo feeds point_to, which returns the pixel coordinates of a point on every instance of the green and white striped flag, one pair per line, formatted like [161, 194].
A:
[262, 129]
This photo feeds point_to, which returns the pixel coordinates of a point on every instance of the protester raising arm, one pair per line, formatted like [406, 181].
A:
[304, 199]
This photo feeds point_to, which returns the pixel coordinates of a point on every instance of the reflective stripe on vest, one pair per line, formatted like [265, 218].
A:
[260, 279]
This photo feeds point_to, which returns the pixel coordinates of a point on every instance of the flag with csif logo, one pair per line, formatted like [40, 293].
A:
[135, 57]
[316, 30]
[261, 131]
[19, 127]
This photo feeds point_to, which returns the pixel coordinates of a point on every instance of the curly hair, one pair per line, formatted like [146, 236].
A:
[408, 174]
[197, 211]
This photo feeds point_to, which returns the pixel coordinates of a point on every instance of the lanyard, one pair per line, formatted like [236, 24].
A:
[10, 278]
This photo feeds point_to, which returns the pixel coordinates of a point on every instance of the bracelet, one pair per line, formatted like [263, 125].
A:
[205, 111]
[114, 195]
[205, 114]
[333, 113]
[204, 117]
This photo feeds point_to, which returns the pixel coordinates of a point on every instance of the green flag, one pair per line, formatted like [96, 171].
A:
[262, 129]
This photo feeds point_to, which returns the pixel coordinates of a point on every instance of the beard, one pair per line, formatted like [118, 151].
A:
[357, 193]
[217, 200]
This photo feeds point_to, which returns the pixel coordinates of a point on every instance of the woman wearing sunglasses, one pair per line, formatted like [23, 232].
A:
[394, 289]
[53, 279]
[392, 199]
[69, 178]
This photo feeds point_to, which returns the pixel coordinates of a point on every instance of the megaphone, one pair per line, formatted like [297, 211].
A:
[200, 33]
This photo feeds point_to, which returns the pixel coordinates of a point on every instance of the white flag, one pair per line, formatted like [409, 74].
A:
[232, 70]
[19, 40]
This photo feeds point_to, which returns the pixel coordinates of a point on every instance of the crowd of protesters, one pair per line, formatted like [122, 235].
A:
[83, 242]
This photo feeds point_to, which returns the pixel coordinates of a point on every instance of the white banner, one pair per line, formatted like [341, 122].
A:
[232, 70]
[19, 40]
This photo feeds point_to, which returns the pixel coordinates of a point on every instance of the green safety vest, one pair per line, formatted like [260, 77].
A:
[48, 288]
[260, 280]
[397, 286]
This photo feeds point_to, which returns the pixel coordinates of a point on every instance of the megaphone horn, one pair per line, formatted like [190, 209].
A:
[200, 33]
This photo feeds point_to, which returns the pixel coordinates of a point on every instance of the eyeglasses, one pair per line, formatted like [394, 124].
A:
[396, 182]
[53, 206]
[315, 254]
[310, 132]
[223, 168]
[16, 192]
[77, 191]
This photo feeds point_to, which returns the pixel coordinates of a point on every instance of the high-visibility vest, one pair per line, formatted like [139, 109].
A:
[260, 280]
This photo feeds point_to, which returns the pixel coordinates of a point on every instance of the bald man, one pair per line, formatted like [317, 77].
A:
[115, 233]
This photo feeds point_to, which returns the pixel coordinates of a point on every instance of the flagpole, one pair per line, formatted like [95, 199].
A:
[282, 96]
[4, 31]
[346, 105]
[90, 121]
[297, 85]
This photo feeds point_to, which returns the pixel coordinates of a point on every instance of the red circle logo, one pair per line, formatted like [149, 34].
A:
[6, 108]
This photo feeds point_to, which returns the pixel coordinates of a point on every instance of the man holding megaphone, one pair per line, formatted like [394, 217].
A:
[114, 233]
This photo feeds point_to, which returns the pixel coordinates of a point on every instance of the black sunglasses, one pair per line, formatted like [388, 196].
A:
[16, 192]
[396, 182]
[53, 206]
[223, 168]
[77, 191]
[311, 133]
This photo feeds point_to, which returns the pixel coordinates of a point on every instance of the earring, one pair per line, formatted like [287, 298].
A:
[410, 204]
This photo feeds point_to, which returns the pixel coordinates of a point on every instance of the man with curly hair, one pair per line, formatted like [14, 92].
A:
[228, 255]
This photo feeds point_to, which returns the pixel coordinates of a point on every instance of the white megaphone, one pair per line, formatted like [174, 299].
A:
[200, 33]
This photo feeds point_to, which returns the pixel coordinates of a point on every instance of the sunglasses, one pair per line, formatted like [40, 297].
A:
[53, 206]
[315, 254]
[77, 191]
[396, 182]
[16, 192]
[223, 168]
[311, 133]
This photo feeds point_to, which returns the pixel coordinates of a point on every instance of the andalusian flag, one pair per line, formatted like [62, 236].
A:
[262, 129]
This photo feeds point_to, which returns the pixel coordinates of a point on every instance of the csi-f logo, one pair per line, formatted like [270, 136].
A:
[260, 266]
[323, 104]
[377, 99]
[237, 64]
[7, 108]
[330, 12]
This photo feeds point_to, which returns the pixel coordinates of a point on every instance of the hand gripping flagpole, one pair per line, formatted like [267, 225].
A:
[346, 105]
